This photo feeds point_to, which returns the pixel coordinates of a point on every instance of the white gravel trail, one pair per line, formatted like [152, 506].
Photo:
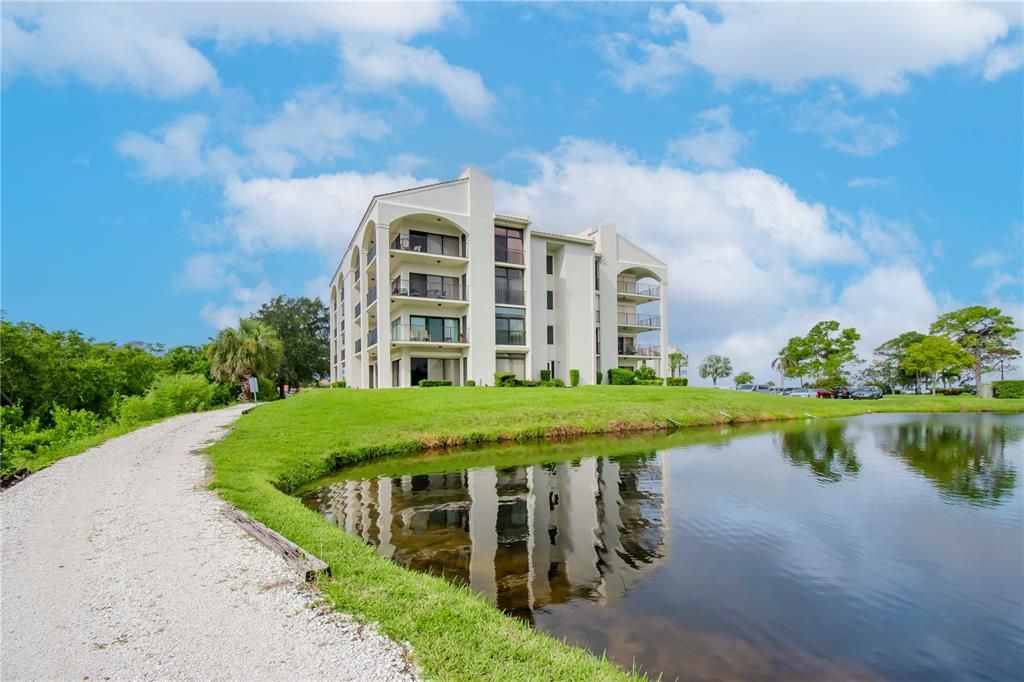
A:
[120, 564]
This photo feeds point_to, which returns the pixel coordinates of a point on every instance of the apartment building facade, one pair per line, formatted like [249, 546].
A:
[436, 285]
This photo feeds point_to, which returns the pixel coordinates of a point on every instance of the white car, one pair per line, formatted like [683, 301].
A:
[804, 393]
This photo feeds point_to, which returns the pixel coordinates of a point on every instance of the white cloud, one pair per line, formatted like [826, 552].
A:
[383, 65]
[178, 150]
[867, 181]
[244, 302]
[989, 258]
[313, 126]
[855, 135]
[714, 143]
[150, 47]
[875, 47]
[656, 69]
[1004, 59]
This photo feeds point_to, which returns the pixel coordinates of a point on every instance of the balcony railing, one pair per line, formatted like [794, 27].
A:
[448, 291]
[355, 276]
[505, 337]
[639, 349]
[513, 256]
[408, 332]
[371, 253]
[509, 296]
[358, 311]
[437, 244]
[371, 295]
[359, 345]
[634, 320]
[635, 289]
[371, 338]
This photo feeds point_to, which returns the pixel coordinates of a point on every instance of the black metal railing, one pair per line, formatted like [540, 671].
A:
[359, 345]
[437, 244]
[507, 337]
[358, 310]
[509, 296]
[513, 256]
[371, 295]
[635, 289]
[450, 291]
[639, 349]
[419, 333]
[634, 320]
[371, 253]
[371, 338]
[355, 276]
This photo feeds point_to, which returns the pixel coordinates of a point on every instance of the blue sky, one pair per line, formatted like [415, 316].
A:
[167, 168]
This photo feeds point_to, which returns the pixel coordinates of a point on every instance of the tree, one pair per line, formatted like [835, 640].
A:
[797, 355]
[986, 333]
[676, 361]
[829, 349]
[715, 367]
[251, 350]
[888, 367]
[934, 355]
[782, 364]
[303, 325]
[744, 378]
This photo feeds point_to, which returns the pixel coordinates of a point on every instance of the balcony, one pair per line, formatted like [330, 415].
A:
[444, 291]
[355, 276]
[358, 311]
[510, 337]
[359, 346]
[371, 253]
[509, 256]
[510, 297]
[639, 350]
[638, 323]
[407, 333]
[371, 338]
[634, 291]
[371, 296]
[428, 248]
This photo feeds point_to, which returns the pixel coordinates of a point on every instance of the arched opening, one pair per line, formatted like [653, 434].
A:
[429, 234]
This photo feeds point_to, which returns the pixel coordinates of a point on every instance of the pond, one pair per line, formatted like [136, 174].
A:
[876, 547]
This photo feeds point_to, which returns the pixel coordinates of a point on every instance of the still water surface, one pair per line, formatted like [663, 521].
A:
[878, 547]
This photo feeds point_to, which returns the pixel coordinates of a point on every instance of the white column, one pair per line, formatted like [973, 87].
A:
[383, 267]
[663, 305]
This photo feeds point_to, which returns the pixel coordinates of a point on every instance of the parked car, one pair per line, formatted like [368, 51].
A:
[775, 390]
[841, 393]
[745, 387]
[762, 388]
[789, 391]
[803, 392]
[866, 393]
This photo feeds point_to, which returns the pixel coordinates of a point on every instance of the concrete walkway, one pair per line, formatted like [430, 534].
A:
[119, 564]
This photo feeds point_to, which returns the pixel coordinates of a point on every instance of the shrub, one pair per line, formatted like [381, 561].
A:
[470, 382]
[169, 395]
[1009, 388]
[224, 394]
[675, 381]
[428, 383]
[339, 384]
[645, 372]
[504, 379]
[831, 383]
[554, 383]
[267, 390]
[70, 425]
[599, 378]
[658, 381]
[545, 375]
[574, 377]
[620, 377]
[949, 391]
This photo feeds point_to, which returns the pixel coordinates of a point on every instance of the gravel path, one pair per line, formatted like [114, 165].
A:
[119, 564]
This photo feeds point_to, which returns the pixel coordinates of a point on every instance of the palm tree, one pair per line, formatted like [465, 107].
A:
[782, 364]
[251, 350]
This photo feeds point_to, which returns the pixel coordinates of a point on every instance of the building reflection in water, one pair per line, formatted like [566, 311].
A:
[526, 536]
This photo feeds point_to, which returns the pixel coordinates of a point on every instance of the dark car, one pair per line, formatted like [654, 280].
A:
[822, 392]
[866, 393]
[841, 393]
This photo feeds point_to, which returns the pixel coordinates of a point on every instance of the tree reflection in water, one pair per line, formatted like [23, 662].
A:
[965, 460]
[824, 449]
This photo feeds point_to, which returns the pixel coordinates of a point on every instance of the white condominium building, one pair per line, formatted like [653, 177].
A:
[436, 285]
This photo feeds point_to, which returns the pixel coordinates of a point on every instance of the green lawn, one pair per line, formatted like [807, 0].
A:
[454, 633]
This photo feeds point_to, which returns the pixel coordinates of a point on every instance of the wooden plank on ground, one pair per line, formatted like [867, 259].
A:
[308, 566]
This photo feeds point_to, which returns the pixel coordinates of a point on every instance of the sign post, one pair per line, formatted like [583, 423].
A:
[254, 387]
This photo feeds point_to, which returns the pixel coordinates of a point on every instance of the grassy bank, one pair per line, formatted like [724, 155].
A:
[454, 633]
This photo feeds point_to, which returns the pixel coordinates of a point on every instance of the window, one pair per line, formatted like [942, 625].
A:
[435, 329]
[551, 334]
[510, 326]
[551, 300]
[551, 264]
[418, 370]
[434, 243]
[434, 369]
[434, 286]
[510, 362]
[597, 275]
[508, 245]
[508, 286]
[396, 373]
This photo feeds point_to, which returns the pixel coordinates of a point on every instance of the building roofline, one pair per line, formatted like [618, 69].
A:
[563, 237]
[642, 250]
[512, 218]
